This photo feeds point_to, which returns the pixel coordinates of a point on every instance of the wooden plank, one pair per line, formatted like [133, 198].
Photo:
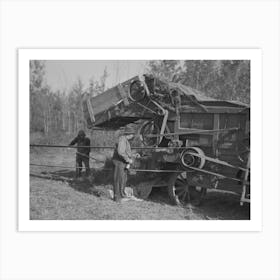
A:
[111, 97]
[196, 121]
[213, 109]
[106, 100]
[244, 183]
[90, 111]
[123, 94]
[216, 126]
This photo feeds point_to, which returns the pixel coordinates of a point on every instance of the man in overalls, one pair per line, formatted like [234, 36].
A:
[82, 155]
[122, 159]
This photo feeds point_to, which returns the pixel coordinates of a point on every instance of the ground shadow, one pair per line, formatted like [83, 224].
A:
[87, 184]
[159, 195]
[220, 205]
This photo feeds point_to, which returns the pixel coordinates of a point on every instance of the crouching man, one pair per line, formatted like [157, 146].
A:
[122, 159]
[82, 154]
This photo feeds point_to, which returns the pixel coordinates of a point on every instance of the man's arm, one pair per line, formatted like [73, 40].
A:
[122, 149]
[74, 141]
[87, 143]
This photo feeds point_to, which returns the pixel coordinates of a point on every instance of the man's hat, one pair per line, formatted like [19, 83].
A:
[81, 133]
[128, 130]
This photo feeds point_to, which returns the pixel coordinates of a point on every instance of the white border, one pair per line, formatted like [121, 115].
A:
[24, 55]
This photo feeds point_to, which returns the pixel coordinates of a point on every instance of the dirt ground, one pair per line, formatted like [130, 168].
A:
[64, 198]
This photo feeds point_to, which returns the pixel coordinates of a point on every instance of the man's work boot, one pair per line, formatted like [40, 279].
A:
[117, 199]
[78, 172]
[123, 193]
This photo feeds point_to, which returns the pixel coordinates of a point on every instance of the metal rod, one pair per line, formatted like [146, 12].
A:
[146, 108]
[70, 147]
[155, 171]
[218, 175]
[90, 157]
[137, 170]
[47, 165]
[194, 131]
[218, 161]
[139, 148]
[158, 171]
[103, 147]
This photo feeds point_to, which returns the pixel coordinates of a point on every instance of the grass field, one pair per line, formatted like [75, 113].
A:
[69, 199]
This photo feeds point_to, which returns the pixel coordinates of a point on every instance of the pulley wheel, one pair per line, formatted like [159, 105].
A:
[189, 160]
[137, 91]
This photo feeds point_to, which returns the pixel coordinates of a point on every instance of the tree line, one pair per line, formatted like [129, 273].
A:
[58, 111]
[220, 79]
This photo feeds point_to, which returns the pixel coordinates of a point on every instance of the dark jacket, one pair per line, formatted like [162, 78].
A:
[122, 151]
[85, 141]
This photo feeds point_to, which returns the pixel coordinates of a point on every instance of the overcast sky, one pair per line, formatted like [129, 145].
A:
[62, 74]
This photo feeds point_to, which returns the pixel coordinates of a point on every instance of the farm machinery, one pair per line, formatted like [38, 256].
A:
[190, 143]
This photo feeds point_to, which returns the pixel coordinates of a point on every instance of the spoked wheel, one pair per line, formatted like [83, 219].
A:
[147, 129]
[181, 193]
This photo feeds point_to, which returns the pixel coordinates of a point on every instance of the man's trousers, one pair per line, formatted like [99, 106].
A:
[120, 179]
[79, 165]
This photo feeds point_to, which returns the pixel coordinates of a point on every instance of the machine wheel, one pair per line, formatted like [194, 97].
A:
[148, 128]
[181, 193]
[137, 91]
[143, 190]
[189, 160]
[151, 127]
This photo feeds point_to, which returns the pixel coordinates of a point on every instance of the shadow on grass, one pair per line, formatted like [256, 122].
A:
[224, 206]
[85, 184]
[100, 181]
[160, 195]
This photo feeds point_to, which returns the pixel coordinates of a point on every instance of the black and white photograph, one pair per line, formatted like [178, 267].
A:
[140, 139]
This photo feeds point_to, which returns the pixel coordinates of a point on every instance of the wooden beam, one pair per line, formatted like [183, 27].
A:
[123, 94]
[215, 138]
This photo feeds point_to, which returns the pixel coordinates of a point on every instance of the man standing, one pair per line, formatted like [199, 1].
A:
[82, 155]
[122, 159]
